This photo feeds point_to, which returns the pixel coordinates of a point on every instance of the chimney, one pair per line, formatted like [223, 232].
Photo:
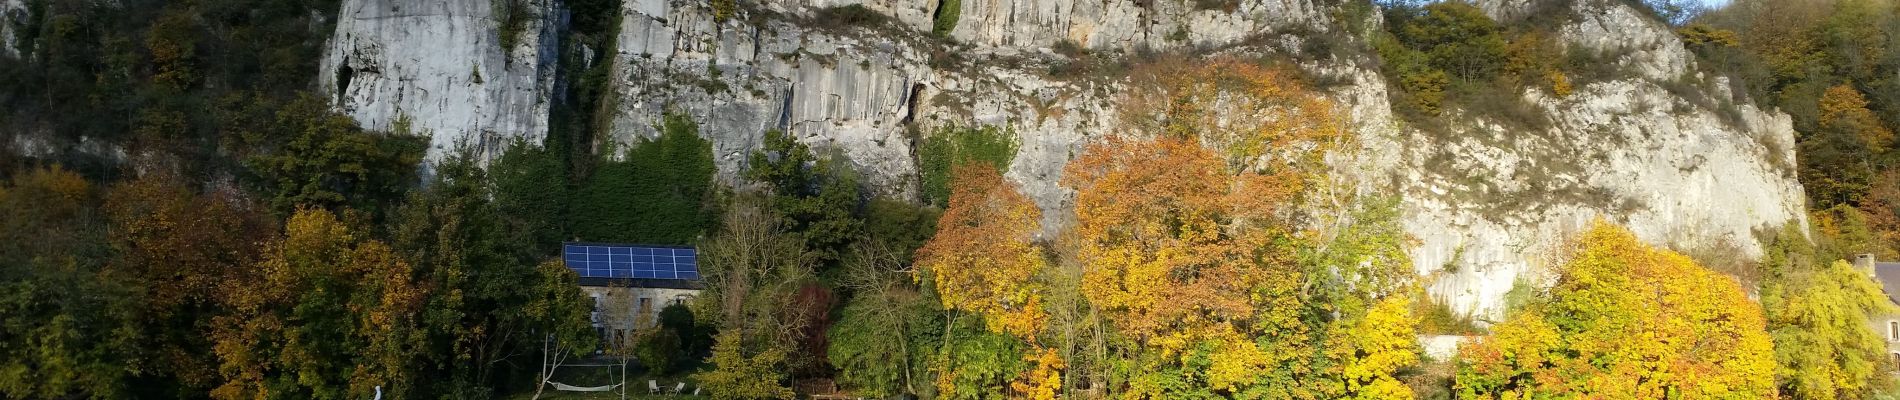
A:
[1864, 263]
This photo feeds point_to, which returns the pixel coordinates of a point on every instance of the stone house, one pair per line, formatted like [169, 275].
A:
[1887, 274]
[631, 283]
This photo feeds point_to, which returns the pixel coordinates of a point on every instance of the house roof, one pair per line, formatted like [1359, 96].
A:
[1888, 274]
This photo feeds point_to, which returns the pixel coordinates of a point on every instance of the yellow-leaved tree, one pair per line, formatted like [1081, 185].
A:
[1185, 246]
[1626, 321]
[332, 315]
[984, 260]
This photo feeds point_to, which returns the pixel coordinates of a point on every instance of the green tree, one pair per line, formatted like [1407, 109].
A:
[474, 262]
[953, 146]
[1456, 37]
[1817, 313]
[753, 272]
[66, 330]
[312, 156]
[819, 198]
[531, 194]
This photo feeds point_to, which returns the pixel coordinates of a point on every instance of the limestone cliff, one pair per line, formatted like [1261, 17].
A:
[1664, 148]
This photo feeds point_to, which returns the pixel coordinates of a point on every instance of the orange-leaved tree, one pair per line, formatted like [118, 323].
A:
[183, 247]
[1182, 234]
[331, 315]
[1626, 320]
[984, 260]
[1181, 255]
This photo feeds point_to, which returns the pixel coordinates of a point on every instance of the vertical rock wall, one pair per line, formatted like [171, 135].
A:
[437, 66]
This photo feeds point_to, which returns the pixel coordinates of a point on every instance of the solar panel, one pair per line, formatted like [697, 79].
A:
[600, 260]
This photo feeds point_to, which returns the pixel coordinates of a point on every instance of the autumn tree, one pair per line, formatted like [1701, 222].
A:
[332, 315]
[1183, 238]
[1817, 314]
[183, 247]
[1626, 320]
[1841, 153]
[984, 260]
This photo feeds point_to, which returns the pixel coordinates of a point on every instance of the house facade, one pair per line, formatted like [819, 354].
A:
[631, 283]
[1887, 274]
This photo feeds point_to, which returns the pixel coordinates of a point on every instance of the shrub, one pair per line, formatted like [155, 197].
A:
[946, 18]
[658, 194]
[952, 146]
[851, 15]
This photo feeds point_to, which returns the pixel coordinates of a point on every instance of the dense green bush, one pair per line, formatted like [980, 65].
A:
[657, 194]
[938, 154]
[946, 19]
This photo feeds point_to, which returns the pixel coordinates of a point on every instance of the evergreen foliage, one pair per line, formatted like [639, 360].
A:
[951, 147]
[660, 193]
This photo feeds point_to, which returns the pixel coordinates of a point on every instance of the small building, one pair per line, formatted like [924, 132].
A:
[1887, 274]
[631, 283]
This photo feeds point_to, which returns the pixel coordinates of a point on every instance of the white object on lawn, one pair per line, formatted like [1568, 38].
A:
[680, 388]
[653, 387]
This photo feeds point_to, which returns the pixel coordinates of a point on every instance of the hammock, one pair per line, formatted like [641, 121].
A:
[569, 388]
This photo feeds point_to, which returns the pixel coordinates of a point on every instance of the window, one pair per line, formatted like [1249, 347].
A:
[646, 305]
[1896, 359]
[1893, 330]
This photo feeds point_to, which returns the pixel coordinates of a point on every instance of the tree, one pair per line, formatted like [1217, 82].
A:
[66, 329]
[559, 308]
[740, 374]
[1626, 320]
[1817, 314]
[817, 197]
[531, 194]
[1372, 349]
[183, 248]
[311, 156]
[474, 261]
[752, 273]
[1179, 253]
[1456, 37]
[984, 258]
[940, 154]
[1839, 166]
[332, 315]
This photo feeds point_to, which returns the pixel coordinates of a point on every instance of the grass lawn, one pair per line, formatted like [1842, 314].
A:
[596, 376]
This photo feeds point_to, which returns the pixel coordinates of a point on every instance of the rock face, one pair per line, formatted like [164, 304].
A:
[13, 14]
[437, 67]
[1490, 203]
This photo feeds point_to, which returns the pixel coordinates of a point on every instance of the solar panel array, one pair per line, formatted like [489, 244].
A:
[594, 260]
